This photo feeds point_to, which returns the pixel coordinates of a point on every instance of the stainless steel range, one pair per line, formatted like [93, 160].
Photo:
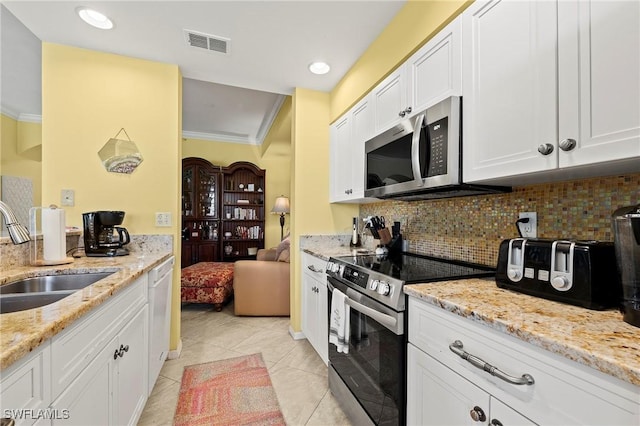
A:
[369, 380]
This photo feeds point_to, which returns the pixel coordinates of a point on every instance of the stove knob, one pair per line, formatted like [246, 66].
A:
[513, 274]
[341, 269]
[374, 284]
[560, 283]
[384, 288]
[329, 266]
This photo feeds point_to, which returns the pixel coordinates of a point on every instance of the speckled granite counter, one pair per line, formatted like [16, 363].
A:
[598, 339]
[21, 332]
[326, 246]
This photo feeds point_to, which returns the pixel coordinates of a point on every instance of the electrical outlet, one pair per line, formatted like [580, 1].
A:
[67, 197]
[529, 229]
[163, 219]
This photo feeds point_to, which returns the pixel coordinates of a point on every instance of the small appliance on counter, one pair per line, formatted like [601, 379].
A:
[580, 273]
[103, 236]
[626, 229]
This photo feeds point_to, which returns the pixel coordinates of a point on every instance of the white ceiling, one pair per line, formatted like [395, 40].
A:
[225, 97]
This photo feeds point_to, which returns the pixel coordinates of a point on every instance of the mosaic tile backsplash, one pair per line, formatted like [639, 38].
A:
[471, 228]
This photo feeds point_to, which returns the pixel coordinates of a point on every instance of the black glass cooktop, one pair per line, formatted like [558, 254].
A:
[412, 268]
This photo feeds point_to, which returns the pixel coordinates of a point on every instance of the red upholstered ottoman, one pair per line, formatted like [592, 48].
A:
[207, 282]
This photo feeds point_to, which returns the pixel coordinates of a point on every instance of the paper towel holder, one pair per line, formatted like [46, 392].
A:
[36, 256]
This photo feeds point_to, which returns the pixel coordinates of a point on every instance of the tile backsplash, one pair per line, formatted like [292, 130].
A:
[471, 228]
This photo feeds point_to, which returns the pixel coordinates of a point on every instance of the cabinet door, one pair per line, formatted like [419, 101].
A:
[505, 415]
[88, 398]
[132, 369]
[599, 80]
[340, 168]
[435, 71]
[438, 396]
[390, 100]
[509, 88]
[186, 255]
[207, 252]
[322, 318]
[309, 307]
[361, 131]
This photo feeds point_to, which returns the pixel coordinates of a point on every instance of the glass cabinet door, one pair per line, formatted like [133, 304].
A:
[188, 192]
[208, 202]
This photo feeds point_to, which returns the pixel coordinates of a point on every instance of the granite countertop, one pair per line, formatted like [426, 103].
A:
[326, 246]
[598, 339]
[24, 331]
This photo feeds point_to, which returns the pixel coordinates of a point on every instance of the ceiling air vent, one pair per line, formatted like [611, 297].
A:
[208, 42]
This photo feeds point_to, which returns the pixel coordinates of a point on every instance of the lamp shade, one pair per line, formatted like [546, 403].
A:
[281, 205]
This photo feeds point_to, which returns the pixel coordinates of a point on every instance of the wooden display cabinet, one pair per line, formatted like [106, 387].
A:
[243, 211]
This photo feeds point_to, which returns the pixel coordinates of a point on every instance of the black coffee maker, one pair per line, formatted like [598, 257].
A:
[626, 227]
[103, 236]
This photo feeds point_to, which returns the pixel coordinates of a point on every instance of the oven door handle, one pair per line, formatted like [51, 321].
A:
[415, 149]
[384, 319]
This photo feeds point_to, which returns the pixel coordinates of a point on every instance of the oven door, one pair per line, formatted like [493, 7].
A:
[373, 370]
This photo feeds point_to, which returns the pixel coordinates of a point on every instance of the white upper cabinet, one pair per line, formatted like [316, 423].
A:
[428, 76]
[550, 85]
[599, 81]
[435, 71]
[509, 88]
[348, 135]
[390, 100]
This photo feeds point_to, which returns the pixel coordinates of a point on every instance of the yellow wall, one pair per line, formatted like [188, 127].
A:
[15, 159]
[87, 97]
[415, 23]
[277, 168]
[311, 211]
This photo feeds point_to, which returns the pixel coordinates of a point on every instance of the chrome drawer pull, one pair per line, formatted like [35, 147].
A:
[456, 348]
[313, 269]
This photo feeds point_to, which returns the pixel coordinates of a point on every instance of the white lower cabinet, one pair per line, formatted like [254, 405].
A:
[439, 396]
[112, 388]
[443, 388]
[25, 386]
[314, 304]
[95, 371]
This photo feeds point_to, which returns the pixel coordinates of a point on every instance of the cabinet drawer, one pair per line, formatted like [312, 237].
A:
[314, 266]
[564, 391]
[25, 385]
[73, 349]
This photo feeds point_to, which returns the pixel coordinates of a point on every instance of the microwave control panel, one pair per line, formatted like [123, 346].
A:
[437, 137]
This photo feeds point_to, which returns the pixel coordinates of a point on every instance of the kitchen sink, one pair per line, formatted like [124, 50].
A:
[53, 283]
[35, 292]
[23, 301]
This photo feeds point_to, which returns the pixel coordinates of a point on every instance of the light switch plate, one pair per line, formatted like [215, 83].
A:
[67, 197]
[163, 219]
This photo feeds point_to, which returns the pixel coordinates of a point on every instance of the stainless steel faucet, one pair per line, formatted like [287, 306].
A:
[17, 232]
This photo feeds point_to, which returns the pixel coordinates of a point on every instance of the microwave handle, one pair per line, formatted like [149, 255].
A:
[415, 149]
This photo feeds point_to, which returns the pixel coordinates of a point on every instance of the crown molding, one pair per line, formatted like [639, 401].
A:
[218, 137]
[30, 118]
[269, 119]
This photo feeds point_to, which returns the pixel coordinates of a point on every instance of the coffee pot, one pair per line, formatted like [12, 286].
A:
[626, 228]
[103, 236]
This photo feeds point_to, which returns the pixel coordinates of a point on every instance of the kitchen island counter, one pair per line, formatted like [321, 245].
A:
[22, 332]
[597, 339]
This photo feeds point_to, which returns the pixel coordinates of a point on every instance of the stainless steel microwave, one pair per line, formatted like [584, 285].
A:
[420, 158]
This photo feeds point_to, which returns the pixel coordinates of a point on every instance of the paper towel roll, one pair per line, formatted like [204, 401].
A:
[54, 234]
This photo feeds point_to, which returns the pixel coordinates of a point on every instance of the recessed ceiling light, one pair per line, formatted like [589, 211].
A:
[94, 18]
[319, 67]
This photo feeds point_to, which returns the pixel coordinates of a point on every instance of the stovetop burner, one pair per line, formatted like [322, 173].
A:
[412, 268]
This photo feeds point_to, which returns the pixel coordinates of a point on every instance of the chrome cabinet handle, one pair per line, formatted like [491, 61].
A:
[313, 269]
[495, 422]
[408, 110]
[402, 113]
[456, 348]
[477, 414]
[545, 148]
[567, 144]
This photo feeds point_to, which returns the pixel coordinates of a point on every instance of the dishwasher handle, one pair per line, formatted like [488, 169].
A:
[161, 270]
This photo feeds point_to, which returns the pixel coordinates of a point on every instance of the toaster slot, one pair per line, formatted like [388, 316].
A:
[515, 259]
[562, 265]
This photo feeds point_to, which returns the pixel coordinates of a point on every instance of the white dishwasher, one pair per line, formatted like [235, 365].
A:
[160, 280]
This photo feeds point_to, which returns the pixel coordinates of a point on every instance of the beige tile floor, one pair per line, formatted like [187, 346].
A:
[298, 374]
